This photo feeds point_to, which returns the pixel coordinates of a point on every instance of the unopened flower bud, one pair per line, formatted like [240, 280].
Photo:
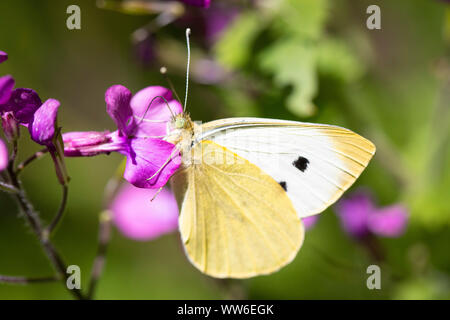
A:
[10, 126]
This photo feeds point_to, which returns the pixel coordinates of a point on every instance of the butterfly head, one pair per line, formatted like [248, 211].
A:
[180, 122]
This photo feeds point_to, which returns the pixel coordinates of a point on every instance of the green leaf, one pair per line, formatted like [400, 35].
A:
[304, 18]
[234, 48]
[335, 59]
[293, 63]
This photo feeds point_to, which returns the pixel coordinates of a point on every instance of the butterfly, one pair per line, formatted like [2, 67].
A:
[245, 184]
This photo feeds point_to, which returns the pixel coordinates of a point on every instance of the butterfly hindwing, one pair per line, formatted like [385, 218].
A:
[314, 163]
[235, 221]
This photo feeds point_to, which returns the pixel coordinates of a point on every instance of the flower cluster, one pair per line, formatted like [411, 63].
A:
[23, 106]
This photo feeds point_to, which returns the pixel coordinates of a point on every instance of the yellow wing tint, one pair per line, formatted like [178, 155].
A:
[235, 221]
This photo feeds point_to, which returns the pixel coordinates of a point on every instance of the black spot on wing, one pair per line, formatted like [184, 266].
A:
[283, 185]
[301, 163]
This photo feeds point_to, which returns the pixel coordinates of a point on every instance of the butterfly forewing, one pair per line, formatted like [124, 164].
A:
[314, 163]
[236, 221]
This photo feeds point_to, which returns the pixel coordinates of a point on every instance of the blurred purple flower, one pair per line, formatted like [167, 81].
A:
[145, 49]
[359, 217]
[197, 3]
[3, 56]
[217, 19]
[3, 155]
[310, 221]
[389, 221]
[142, 125]
[141, 219]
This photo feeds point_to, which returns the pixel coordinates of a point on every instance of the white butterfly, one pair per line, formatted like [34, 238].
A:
[245, 184]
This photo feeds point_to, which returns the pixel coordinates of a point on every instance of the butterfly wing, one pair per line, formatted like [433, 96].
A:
[235, 221]
[314, 163]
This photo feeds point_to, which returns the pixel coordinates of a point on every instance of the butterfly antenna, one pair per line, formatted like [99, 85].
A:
[142, 118]
[163, 71]
[188, 33]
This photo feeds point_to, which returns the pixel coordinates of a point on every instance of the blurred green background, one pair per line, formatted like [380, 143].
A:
[306, 60]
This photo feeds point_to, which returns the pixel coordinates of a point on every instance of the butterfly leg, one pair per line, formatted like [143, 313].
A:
[172, 155]
[156, 194]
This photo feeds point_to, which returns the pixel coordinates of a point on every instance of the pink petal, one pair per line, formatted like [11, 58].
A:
[144, 159]
[151, 120]
[43, 126]
[3, 156]
[141, 219]
[118, 99]
[389, 221]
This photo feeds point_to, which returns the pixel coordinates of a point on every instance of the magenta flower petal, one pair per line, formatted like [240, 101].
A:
[91, 143]
[118, 107]
[310, 221]
[151, 121]
[144, 159]
[141, 219]
[6, 86]
[389, 221]
[354, 212]
[3, 56]
[198, 3]
[3, 155]
[23, 103]
[43, 126]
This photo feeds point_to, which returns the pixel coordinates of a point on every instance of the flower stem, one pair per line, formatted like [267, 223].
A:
[104, 235]
[26, 280]
[60, 212]
[33, 157]
[104, 232]
[7, 187]
[36, 226]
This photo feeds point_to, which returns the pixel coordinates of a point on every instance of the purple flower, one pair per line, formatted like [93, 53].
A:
[142, 125]
[3, 155]
[23, 103]
[141, 219]
[197, 3]
[310, 221]
[6, 86]
[359, 217]
[42, 127]
[3, 56]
